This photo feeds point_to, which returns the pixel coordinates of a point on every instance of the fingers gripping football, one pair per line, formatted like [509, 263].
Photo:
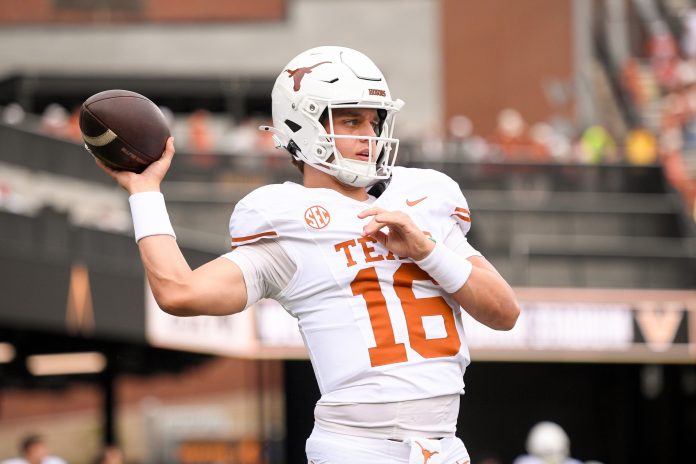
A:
[147, 181]
[397, 232]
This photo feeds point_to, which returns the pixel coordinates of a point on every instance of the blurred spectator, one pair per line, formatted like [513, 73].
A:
[476, 148]
[33, 450]
[13, 114]
[541, 136]
[686, 72]
[460, 127]
[54, 119]
[641, 147]
[72, 128]
[559, 144]
[487, 458]
[242, 139]
[433, 144]
[462, 143]
[201, 139]
[638, 88]
[110, 455]
[547, 443]
[511, 136]
[663, 52]
[675, 110]
[597, 145]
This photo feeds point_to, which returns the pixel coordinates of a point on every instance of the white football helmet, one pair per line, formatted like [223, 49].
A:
[549, 442]
[311, 86]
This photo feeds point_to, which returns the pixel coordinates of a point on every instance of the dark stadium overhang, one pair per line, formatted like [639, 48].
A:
[238, 96]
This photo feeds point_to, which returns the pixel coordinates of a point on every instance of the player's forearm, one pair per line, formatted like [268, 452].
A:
[167, 272]
[488, 298]
[216, 288]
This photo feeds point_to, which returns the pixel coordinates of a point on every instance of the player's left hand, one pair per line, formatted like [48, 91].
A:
[403, 237]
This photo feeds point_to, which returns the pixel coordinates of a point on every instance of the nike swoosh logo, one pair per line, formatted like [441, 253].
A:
[415, 202]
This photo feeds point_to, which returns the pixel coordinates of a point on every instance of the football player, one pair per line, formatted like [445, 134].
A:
[371, 258]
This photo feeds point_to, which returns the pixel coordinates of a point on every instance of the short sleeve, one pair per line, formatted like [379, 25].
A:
[462, 216]
[456, 241]
[248, 225]
[457, 206]
[266, 266]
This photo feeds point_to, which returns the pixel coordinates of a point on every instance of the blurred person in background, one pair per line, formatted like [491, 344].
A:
[13, 114]
[33, 450]
[641, 147]
[241, 138]
[111, 454]
[72, 127]
[541, 136]
[664, 54]
[463, 144]
[597, 146]
[201, 139]
[243, 141]
[547, 443]
[433, 144]
[511, 137]
[54, 120]
[632, 79]
[344, 253]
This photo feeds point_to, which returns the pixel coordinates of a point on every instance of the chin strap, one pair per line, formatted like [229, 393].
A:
[357, 179]
[378, 189]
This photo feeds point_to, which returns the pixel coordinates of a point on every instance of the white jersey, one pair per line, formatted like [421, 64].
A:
[46, 460]
[377, 328]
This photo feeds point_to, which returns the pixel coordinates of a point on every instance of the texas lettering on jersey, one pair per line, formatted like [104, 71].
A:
[358, 305]
[363, 249]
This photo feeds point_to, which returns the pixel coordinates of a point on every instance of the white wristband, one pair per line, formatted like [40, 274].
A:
[449, 269]
[149, 215]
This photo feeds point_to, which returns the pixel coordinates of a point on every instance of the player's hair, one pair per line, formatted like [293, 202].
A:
[299, 164]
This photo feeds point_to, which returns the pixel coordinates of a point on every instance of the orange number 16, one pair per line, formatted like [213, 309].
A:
[387, 351]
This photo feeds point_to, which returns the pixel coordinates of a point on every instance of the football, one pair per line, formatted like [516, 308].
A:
[123, 129]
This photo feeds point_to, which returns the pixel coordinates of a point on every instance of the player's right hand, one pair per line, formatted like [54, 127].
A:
[403, 237]
[147, 181]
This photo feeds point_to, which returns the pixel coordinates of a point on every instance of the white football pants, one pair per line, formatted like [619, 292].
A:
[324, 447]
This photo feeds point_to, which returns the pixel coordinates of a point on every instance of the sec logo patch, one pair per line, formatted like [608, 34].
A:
[317, 217]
